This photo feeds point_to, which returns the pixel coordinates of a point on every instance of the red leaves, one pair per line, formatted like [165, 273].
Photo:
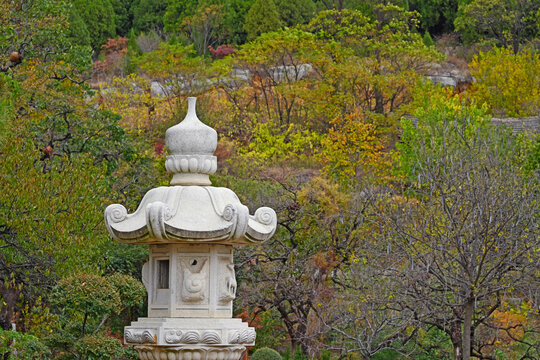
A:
[222, 50]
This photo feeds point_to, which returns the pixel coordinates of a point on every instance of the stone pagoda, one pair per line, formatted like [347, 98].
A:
[191, 228]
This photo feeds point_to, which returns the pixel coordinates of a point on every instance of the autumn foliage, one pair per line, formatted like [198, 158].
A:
[408, 223]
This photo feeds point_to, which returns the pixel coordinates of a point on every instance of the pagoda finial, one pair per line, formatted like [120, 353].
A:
[191, 145]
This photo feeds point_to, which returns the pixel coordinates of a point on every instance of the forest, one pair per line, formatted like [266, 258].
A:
[407, 221]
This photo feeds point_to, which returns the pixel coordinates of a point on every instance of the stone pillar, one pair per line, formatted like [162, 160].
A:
[191, 228]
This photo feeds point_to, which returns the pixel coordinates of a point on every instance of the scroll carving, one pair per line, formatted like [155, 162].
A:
[173, 336]
[191, 337]
[211, 337]
[114, 213]
[238, 214]
[156, 215]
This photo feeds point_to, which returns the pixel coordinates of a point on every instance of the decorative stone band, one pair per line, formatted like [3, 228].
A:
[244, 336]
[192, 337]
[190, 352]
[200, 164]
[140, 337]
[191, 169]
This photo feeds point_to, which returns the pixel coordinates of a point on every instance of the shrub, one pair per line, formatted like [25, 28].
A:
[15, 345]
[428, 40]
[432, 108]
[266, 354]
[221, 51]
[101, 346]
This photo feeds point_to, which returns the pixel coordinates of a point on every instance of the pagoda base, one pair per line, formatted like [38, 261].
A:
[207, 352]
[220, 335]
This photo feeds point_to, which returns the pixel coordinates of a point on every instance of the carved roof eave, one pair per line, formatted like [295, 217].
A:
[190, 214]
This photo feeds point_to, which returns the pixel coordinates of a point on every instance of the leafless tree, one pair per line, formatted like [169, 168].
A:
[467, 239]
[363, 317]
[293, 273]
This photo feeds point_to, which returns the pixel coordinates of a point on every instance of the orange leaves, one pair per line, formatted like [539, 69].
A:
[324, 196]
[115, 45]
[512, 323]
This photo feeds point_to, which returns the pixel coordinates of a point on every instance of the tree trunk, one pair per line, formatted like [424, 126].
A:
[458, 354]
[467, 327]
[9, 295]
[456, 338]
[379, 102]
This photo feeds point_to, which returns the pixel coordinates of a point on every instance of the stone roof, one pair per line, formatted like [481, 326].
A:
[190, 210]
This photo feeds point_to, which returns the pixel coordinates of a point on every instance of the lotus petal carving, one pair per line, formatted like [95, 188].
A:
[242, 336]
[191, 337]
[211, 337]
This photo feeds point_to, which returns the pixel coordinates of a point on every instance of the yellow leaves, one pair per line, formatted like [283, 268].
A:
[324, 194]
[290, 144]
[353, 144]
[131, 98]
[353, 259]
[509, 83]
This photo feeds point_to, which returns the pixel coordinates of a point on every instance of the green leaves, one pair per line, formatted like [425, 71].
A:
[83, 295]
[262, 17]
[85, 302]
[18, 346]
[508, 22]
[440, 117]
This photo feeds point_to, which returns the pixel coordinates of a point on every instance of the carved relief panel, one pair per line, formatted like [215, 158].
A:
[194, 278]
[227, 281]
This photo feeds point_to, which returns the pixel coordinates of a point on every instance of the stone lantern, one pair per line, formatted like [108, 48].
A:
[191, 228]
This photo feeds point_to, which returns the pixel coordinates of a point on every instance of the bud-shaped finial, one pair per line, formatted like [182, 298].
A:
[191, 145]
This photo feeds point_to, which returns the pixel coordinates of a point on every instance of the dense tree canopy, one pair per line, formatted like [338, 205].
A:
[262, 17]
[99, 19]
[508, 22]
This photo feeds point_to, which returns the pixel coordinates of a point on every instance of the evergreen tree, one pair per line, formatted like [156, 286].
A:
[98, 16]
[78, 32]
[437, 16]
[234, 14]
[124, 16]
[293, 12]
[262, 17]
[428, 40]
[148, 15]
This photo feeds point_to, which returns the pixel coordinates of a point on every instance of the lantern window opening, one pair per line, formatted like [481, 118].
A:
[163, 273]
